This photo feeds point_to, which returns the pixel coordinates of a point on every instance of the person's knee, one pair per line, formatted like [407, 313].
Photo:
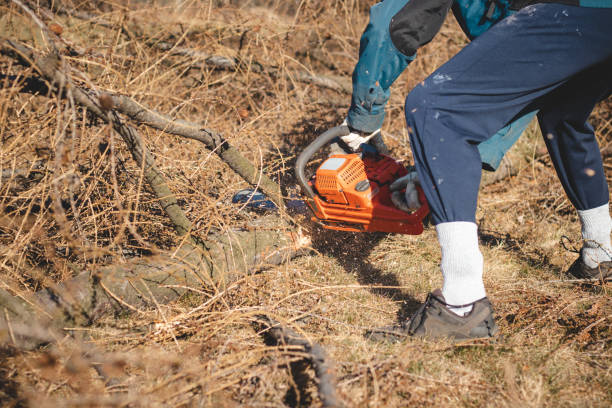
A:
[433, 122]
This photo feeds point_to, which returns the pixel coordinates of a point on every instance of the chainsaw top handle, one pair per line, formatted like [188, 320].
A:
[310, 150]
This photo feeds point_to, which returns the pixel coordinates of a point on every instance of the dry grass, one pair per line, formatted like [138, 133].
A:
[72, 199]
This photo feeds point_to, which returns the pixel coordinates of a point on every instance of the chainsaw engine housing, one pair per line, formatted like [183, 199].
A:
[352, 194]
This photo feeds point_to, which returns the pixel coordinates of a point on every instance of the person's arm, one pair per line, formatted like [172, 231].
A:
[397, 28]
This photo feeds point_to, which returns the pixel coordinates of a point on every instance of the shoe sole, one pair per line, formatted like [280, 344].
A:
[390, 337]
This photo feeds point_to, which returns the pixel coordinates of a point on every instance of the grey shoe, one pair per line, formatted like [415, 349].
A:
[580, 270]
[433, 320]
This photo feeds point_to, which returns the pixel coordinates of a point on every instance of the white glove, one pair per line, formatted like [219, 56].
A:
[409, 200]
[354, 139]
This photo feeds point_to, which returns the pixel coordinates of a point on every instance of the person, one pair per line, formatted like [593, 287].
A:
[548, 58]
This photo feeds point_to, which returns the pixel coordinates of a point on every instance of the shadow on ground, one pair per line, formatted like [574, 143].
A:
[533, 257]
[351, 250]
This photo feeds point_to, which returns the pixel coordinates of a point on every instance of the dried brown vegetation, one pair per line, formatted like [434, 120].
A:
[269, 76]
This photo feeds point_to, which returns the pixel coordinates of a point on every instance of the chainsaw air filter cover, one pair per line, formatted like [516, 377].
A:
[352, 194]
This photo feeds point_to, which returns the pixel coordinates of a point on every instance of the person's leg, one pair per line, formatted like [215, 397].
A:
[575, 154]
[499, 76]
[484, 87]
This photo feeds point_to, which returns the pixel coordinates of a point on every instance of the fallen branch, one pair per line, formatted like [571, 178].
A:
[277, 334]
[49, 68]
[216, 256]
[164, 278]
[213, 141]
[220, 62]
[143, 115]
[81, 300]
[58, 82]
[167, 276]
[52, 68]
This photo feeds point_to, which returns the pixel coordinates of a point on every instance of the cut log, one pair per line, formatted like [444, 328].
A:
[141, 283]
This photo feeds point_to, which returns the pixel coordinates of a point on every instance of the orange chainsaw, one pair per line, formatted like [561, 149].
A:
[350, 192]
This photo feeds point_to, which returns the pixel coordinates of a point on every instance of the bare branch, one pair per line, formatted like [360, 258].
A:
[141, 114]
[213, 141]
[232, 64]
[49, 67]
[280, 335]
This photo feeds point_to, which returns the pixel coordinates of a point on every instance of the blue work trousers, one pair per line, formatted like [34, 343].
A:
[553, 58]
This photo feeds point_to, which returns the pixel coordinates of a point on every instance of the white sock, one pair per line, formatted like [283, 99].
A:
[596, 226]
[461, 265]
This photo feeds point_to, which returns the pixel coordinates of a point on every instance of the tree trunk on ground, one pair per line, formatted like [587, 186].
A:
[145, 282]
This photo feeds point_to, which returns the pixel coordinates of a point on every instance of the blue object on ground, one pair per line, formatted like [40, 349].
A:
[253, 199]
[258, 201]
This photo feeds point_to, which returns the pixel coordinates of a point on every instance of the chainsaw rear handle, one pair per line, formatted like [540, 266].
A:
[310, 150]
